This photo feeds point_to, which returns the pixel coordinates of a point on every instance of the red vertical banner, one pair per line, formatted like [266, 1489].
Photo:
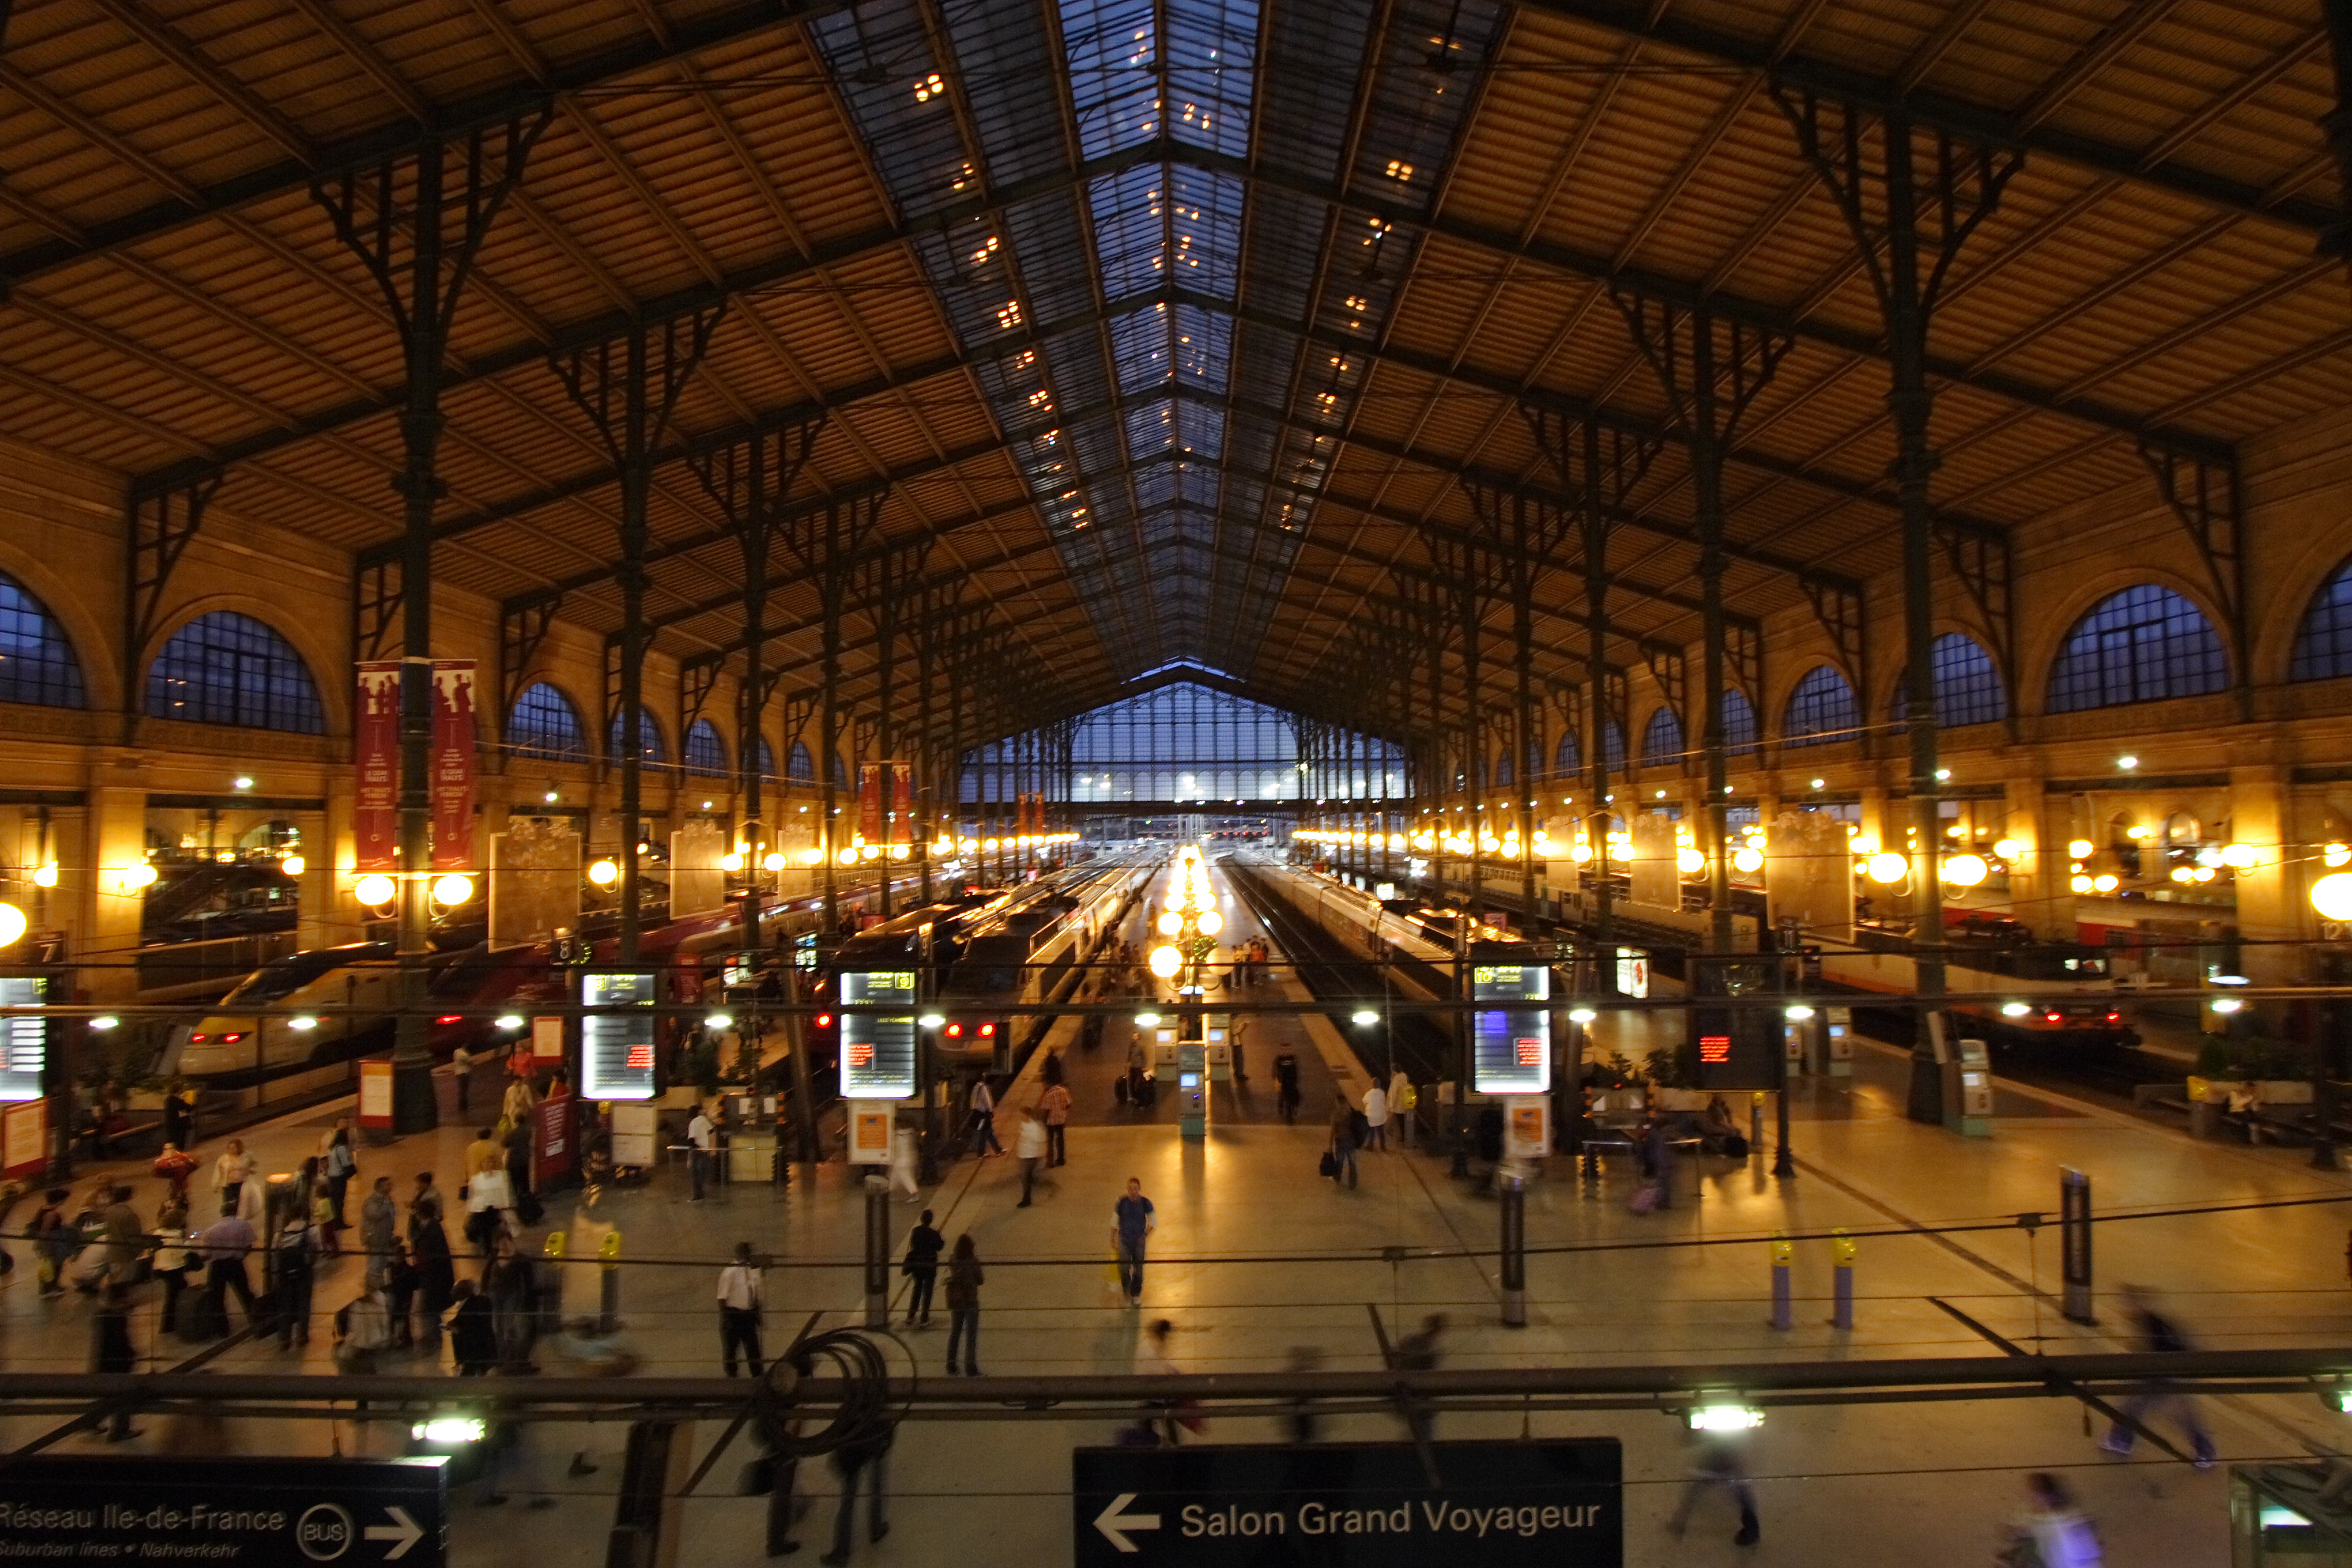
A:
[869, 801]
[455, 786]
[375, 757]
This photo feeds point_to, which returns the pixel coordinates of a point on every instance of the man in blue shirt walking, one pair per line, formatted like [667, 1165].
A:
[1131, 1225]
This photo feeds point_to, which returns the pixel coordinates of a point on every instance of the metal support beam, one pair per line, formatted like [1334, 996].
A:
[161, 525]
[441, 236]
[2205, 499]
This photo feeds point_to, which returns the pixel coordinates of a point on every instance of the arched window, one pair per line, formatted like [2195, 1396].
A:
[227, 668]
[1738, 724]
[1662, 739]
[1613, 748]
[763, 759]
[1822, 709]
[801, 764]
[544, 725]
[653, 752]
[1570, 758]
[706, 753]
[2143, 645]
[37, 663]
[2323, 644]
[1503, 775]
[1968, 687]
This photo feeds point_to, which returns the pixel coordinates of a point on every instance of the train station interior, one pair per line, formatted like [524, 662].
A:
[1646, 704]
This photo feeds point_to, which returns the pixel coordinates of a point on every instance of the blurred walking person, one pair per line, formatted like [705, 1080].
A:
[2053, 1532]
[1343, 1139]
[739, 1310]
[1030, 1145]
[2157, 1335]
[964, 1279]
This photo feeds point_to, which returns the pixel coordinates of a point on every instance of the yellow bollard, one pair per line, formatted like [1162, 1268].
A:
[1783, 1250]
[608, 1306]
[1842, 1258]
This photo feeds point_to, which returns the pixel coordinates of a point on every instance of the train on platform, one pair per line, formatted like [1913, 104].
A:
[1415, 942]
[987, 964]
[2016, 995]
[325, 1005]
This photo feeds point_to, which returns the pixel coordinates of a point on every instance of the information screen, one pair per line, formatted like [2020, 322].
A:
[1511, 1047]
[24, 1037]
[1734, 1046]
[877, 1049]
[617, 1049]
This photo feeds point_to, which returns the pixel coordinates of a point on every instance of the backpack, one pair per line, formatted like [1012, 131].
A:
[1406, 1098]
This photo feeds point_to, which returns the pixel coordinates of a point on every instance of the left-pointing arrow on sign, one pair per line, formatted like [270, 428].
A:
[1114, 1524]
[404, 1532]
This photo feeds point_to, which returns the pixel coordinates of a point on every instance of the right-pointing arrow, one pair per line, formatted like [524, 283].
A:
[1114, 1524]
[402, 1532]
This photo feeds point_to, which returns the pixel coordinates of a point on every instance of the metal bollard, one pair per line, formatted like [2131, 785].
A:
[608, 1304]
[554, 1311]
[1756, 1122]
[1842, 1279]
[1782, 1250]
[2074, 1243]
[1514, 1251]
[877, 1252]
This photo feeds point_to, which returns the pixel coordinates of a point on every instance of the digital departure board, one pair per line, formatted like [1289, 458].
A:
[24, 1036]
[1733, 1047]
[877, 1049]
[617, 1049]
[1511, 1047]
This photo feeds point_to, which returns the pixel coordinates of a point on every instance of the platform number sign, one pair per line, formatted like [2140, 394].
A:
[617, 1049]
[877, 1048]
[1511, 1045]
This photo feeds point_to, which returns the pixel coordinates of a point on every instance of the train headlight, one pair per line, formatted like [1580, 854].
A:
[2014, 1009]
[303, 1024]
[603, 872]
[104, 1022]
[2227, 1005]
[1147, 1020]
[1365, 1017]
[1581, 1016]
[1165, 961]
[1799, 1014]
[1211, 923]
[1966, 870]
[452, 889]
[1886, 867]
[511, 1021]
[450, 1430]
[932, 1020]
[719, 1021]
[1724, 1416]
[374, 889]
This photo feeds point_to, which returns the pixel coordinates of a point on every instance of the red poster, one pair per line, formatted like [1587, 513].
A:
[375, 752]
[454, 786]
[552, 1152]
[870, 797]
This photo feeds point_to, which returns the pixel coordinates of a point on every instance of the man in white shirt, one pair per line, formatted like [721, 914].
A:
[704, 1137]
[1376, 1117]
[739, 1310]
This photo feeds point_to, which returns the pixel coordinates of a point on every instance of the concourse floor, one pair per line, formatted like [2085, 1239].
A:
[1255, 1259]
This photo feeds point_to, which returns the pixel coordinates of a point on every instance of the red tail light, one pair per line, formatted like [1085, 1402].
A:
[987, 1028]
[824, 1020]
[198, 1038]
[449, 1018]
[955, 1031]
[231, 1039]
[2115, 1017]
[2053, 1017]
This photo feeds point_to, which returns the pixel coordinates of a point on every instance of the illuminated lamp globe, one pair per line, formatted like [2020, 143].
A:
[1580, 853]
[1211, 923]
[603, 873]
[2107, 882]
[900, 851]
[772, 860]
[1396, 840]
[13, 925]
[2080, 848]
[292, 866]
[452, 889]
[1169, 922]
[2006, 849]
[2332, 896]
[730, 861]
[1747, 860]
[1689, 862]
[46, 875]
[142, 875]
[812, 856]
[943, 846]
[2184, 874]
[1966, 870]
[1165, 961]
[1886, 867]
[2238, 857]
[374, 890]
[848, 856]
[2081, 884]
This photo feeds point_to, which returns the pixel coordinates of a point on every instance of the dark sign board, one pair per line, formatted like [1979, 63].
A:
[1511, 1047]
[1351, 1505]
[254, 1513]
[24, 1036]
[1735, 1048]
[617, 1049]
[877, 1049]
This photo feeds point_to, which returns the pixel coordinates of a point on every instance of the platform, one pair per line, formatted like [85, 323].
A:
[1254, 1256]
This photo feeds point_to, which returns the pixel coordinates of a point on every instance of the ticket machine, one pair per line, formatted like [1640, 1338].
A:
[1192, 1088]
[1967, 1089]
